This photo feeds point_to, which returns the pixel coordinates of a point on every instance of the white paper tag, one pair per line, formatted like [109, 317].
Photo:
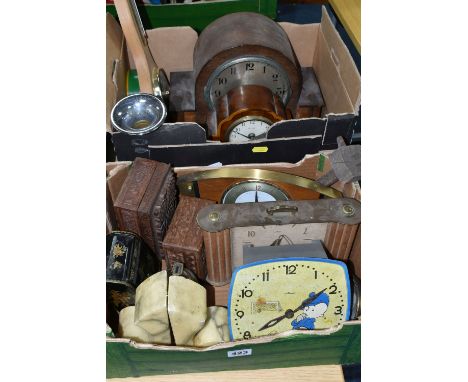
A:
[215, 165]
[239, 353]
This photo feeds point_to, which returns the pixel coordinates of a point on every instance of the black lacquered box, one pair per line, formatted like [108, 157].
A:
[129, 262]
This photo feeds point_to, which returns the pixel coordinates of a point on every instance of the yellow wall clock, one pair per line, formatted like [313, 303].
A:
[274, 296]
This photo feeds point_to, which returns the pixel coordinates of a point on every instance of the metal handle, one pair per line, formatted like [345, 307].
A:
[281, 208]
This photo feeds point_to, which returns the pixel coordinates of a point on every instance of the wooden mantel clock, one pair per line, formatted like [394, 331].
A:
[247, 77]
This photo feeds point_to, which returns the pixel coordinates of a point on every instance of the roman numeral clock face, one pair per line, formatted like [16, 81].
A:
[275, 296]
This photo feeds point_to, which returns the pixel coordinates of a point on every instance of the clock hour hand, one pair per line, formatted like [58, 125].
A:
[256, 196]
[290, 313]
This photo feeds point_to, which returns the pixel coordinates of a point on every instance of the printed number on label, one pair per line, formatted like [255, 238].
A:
[239, 353]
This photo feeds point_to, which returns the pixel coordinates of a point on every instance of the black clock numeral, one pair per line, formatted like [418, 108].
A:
[233, 70]
[222, 80]
[251, 234]
[275, 77]
[333, 288]
[240, 313]
[338, 310]
[280, 91]
[316, 275]
[249, 66]
[266, 276]
[290, 269]
[247, 335]
[264, 69]
[217, 93]
[246, 293]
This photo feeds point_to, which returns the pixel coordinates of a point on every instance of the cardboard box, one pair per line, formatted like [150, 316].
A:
[337, 345]
[185, 144]
[196, 15]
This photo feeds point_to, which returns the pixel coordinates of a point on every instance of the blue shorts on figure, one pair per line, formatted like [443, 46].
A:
[315, 309]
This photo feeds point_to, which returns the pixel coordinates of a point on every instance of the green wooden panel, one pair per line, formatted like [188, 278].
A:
[197, 15]
[343, 347]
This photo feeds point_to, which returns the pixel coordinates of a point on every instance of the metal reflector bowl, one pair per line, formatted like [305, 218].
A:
[138, 114]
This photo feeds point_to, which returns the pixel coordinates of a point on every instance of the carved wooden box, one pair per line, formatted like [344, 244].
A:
[147, 201]
[184, 239]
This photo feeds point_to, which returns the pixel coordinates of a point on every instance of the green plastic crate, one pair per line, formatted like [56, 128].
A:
[197, 15]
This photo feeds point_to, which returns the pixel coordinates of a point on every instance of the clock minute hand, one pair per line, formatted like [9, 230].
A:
[290, 313]
[309, 300]
[242, 135]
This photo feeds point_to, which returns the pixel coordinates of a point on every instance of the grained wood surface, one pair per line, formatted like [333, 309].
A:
[217, 295]
[137, 44]
[247, 100]
[324, 373]
[184, 239]
[355, 255]
[145, 210]
[213, 189]
[131, 193]
[218, 257]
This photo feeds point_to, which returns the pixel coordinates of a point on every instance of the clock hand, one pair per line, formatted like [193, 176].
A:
[242, 135]
[249, 137]
[256, 196]
[290, 313]
[309, 300]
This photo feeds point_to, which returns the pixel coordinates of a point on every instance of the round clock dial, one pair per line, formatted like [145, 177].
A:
[249, 128]
[250, 70]
[253, 191]
[278, 295]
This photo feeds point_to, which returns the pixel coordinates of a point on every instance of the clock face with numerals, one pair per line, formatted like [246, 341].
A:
[252, 191]
[248, 128]
[275, 296]
[248, 70]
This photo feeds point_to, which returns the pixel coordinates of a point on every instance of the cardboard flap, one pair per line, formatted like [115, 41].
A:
[181, 41]
[342, 60]
[332, 86]
[116, 174]
[303, 40]
[116, 65]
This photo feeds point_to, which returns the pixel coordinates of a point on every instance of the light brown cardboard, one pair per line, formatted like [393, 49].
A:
[116, 174]
[116, 65]
[343, 61]
[351, 190]
[318, 45]
[173, 47]
[303, 40]
[333, 90]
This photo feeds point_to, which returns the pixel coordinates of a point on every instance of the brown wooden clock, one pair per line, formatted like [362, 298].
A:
[247, 77]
